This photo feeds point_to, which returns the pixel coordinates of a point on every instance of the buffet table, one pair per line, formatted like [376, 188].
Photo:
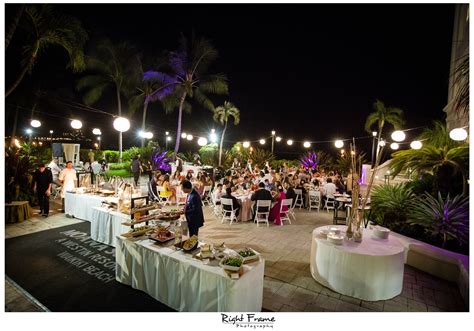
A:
[371, 270]
[106, 225]
[81, 205]
[184, 283]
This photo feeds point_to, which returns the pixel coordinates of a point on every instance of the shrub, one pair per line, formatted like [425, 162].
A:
[111, 156]
[119, 166]
[444, 219]
[391, 205]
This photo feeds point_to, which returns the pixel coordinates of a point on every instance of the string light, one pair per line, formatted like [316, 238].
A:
[96, 131]
[307, 144]
[398, 136]
[35, 123]
[381, 143]
[202, 141]
[458, 134]
[278, 139]
[189, 137]
[246, 144]
[394, 146]
[262, 141]
[290, 142]
[183, 135]
[416, 144]
[339, 144]
[76, 124]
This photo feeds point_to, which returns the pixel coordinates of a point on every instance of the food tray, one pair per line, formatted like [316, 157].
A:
[155, 237]
[135, 234]
[180, 246]
[228, 267]
[249, 258]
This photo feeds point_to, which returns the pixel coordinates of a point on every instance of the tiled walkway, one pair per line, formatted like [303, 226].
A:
[288, 284]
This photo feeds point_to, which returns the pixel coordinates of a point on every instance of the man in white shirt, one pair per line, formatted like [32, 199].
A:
[329, 189]
[67, 177]
[55, 169]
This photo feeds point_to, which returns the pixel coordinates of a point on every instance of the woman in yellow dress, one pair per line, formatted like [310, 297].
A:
[168, 192]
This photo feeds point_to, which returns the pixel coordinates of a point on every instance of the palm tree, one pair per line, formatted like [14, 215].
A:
[14, 24]
[440, 156]
[151, 88]
[191, 80]
[461, 79]
[222, 114]
[47, 27]
[383, 115]
[111, 66]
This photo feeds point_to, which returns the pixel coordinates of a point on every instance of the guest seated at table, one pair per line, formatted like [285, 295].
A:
[303, 189]
[189, 175]
[339, 186]
[290, 193]
[329, 190]
[235, 201]
[218, 194]
[275, 215]
[268, 186]
[261, 193]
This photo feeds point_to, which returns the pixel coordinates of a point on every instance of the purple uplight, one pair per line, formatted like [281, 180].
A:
[309, 160]
[160, 161]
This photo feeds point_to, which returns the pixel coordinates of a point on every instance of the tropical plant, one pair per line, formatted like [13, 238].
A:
[439, 156]
[209, 155]
[461, 79]
[381, 116]
[391, 205]
[258, 156]
[326, 161]
[446, 219]
[309, 160]
[153, 87]
[111, 66]
[14, 24]
[160, 161]
[190, 79]
[222, 114]
[19, 168]
[47, 27]
[343, 162]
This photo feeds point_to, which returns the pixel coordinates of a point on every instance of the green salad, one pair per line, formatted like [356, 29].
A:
[233, 261]
[246, 252]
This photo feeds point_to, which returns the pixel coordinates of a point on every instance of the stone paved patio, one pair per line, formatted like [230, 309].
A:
[288, 285]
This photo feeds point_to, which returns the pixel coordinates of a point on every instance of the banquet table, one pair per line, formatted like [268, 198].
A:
[371, 270]
[106, 225]
[81, 205]
[245, 213]
[184, 283]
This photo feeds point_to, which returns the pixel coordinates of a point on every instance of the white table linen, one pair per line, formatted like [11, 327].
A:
[106, 225]
[81, 205]
[371, 270]
[186, 284]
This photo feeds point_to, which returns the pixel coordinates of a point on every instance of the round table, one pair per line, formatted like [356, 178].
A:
[371, 270]
[245, 213]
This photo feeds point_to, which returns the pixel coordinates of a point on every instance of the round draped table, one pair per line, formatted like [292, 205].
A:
[371, 270]
[245, 213]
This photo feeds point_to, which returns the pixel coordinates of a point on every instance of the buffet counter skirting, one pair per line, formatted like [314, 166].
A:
[186, 284]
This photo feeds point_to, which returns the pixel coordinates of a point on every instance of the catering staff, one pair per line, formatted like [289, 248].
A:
[42, 180]
[67, 177]
[193, 208]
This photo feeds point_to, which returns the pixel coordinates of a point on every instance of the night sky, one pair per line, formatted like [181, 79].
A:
[311, 72]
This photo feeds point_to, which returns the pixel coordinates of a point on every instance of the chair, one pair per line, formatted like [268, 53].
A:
[299, 198]
[291, 210]
[262, 216]
[217, 206]
[330, 204]
[57, 191]
[151, 193]
[228, 214]
[206, 195]
[285, 214]
[164, 200]
[314, 200]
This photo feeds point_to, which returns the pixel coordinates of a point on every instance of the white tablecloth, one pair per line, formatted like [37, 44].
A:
[81, 205]
[371, 270]
[106, 225]
[186, 284]
[245, 213]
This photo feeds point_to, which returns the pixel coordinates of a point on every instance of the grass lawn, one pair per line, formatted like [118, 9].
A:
[120, 173]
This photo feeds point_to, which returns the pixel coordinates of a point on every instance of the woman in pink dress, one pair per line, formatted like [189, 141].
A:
[275, 211]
